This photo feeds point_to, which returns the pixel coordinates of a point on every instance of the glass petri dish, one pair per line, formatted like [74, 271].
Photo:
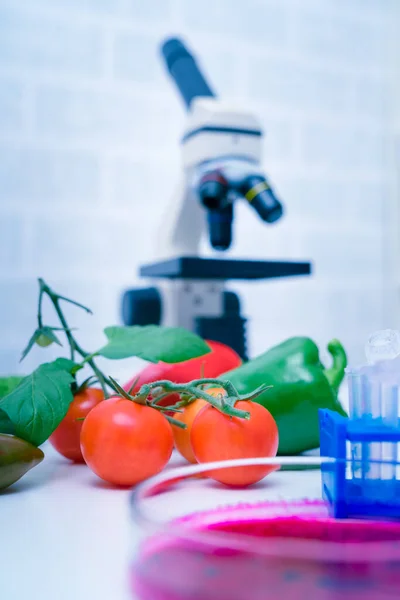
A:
[196, 539]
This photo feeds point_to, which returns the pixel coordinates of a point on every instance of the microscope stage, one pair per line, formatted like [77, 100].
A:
[224, 269]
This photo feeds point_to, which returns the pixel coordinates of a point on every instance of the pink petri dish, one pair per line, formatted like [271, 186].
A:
[199, 540]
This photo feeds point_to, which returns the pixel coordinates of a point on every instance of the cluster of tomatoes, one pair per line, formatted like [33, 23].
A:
[124, 442]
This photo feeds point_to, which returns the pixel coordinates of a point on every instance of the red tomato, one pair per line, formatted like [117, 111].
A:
[216, 436]
[220, 360]
[66, 438]
[124, 442]
[182, 436]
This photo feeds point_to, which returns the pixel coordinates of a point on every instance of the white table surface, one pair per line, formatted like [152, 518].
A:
[65, 535]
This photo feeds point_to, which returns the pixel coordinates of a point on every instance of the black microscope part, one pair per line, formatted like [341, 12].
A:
[213, 190]
[142, 307]
[184, 71]
[262, 198]
[220, 269]
[229, 328]
[220, 227]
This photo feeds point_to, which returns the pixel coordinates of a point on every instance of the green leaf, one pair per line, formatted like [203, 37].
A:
[30, 344]
[65, 364]
[6, 425]
[153, 343]
[8, 384]
[44, 336]
[38, 405]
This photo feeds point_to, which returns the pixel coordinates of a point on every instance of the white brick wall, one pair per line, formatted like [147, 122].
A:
[89, 129]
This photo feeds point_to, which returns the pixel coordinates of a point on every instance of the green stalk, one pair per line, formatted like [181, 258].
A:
[73, 344]
[335, 374]
[192, 389]
[44, 289]
[144, 402]
[39, 315]
[226, 385]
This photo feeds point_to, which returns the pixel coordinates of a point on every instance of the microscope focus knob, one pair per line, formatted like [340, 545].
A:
[141, 307]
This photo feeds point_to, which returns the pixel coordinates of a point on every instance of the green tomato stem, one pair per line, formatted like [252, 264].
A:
[73, 344]
[226, 385]
[157, 399]
[165, 408]
[89, 357]
[175, 422]
[78, 304]
[39, 315]
[192, 389]
[124, 394]
[143, 400]
[44, 289]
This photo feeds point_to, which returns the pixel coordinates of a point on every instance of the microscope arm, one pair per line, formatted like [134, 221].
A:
[182, 226]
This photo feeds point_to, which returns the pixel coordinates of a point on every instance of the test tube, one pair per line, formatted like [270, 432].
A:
[373, 385]
[391, 418]
[374, 397]
[354, 382]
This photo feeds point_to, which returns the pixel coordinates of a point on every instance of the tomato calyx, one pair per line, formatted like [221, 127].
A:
[150, 394]
[144, 400]
[89, 382]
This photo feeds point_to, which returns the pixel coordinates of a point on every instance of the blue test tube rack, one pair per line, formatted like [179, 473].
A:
[364, 480]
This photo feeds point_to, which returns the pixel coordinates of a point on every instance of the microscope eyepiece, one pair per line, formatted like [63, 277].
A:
[185, 71]
[257, 191]
[172, 50]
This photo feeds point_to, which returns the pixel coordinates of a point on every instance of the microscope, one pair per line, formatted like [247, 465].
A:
[221, 156]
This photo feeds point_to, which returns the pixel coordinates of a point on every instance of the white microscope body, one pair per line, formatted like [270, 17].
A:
[217, 137]
[221, 154]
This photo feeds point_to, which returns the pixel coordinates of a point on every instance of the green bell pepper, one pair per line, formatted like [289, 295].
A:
[301, 386]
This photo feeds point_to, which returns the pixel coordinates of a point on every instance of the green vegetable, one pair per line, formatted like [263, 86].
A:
[40, 402]
[17, 457]
[301, 385]
[153, 343]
